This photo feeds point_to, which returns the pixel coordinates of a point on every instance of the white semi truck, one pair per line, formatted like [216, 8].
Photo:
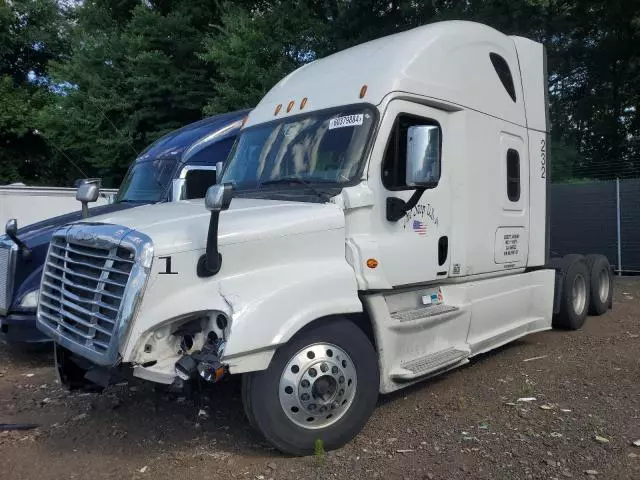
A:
[382, 218]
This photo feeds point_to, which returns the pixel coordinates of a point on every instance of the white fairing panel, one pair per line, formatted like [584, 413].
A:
[425, 330]
[481, 206]
[532, 61]
[531, 57]
[539, 183]
[509, 307]
[447, 61]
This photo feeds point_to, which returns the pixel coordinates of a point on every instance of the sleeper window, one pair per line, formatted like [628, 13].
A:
[504, 74]
[513, 175]
[394, 166]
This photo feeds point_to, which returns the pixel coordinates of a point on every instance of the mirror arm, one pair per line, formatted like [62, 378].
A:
[210, 263]
[22, 247]
[397, 208]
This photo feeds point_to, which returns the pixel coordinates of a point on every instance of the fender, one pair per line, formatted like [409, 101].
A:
[265, 317]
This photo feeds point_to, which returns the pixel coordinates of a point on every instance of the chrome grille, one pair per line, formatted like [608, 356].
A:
[7, 272]
[82, 290]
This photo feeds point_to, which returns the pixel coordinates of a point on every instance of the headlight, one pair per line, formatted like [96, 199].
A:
[30, 300]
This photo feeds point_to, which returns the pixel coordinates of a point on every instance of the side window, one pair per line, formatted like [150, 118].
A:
[513, 175]
[394, 166]
[197, 182]
[504, 74]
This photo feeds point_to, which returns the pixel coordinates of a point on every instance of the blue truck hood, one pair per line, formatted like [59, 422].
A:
[37, 237]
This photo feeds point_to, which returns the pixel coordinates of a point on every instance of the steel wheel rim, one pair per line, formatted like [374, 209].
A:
[317, 386]
[579, 291]
[604, 285]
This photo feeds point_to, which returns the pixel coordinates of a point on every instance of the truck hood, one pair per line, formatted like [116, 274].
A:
[183, 226]
[40, 233]
[37, 237]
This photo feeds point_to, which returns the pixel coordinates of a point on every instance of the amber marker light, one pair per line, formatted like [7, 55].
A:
[278, 108]
[372, 263]
[363, 91]
[290, 106]
[303, 103]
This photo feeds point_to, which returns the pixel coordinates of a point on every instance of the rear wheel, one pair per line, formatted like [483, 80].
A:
[574, 303]
[322, 385]
[601, 281]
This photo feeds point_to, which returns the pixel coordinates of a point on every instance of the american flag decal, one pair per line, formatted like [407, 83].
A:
[419, 227]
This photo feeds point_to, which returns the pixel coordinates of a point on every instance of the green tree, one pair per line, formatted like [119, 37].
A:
[32, 34]
[132, 76]
[258, 45]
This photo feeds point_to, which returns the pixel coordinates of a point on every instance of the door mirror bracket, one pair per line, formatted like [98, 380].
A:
[397, 207]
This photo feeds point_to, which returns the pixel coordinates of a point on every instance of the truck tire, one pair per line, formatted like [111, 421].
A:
[601, 284]
[574, 303]
[321, 386]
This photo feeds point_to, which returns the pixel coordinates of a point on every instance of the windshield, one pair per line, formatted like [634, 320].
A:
[321, 147]
[147, 181]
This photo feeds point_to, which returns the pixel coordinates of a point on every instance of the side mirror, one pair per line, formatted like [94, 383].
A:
[219, 167]
[11, 228]
[87, 192]
[423, 156]
[218, 198]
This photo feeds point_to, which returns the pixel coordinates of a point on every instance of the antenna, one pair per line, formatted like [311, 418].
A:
[114, 126]
[50, 142]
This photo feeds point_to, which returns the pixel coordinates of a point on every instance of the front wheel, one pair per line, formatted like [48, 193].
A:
[321, 386]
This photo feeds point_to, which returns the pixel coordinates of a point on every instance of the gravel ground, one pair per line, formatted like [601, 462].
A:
[467, 423]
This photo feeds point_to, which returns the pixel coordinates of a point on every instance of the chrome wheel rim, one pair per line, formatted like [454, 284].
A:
[317, 386]
[579, 291]
[603, 282]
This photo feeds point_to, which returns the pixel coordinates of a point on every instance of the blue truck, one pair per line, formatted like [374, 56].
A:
[181, 165]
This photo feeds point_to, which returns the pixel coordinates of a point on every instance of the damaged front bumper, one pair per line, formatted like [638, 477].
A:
[76, 372]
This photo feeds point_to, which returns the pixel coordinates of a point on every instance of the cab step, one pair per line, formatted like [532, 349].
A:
[427, 364]
[423, 312]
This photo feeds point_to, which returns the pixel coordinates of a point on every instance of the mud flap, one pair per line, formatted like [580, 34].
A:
[557, 292]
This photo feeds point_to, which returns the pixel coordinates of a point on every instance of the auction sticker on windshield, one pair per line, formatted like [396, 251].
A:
[346, 121]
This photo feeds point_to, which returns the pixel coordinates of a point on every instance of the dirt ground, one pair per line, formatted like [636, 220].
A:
[467, 423]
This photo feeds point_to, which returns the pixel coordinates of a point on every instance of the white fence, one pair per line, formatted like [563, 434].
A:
[32, 204]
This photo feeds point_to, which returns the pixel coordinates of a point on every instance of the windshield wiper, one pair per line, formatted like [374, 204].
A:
[302, 181]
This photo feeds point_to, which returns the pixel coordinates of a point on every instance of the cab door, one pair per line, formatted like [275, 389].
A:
[413, 247]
